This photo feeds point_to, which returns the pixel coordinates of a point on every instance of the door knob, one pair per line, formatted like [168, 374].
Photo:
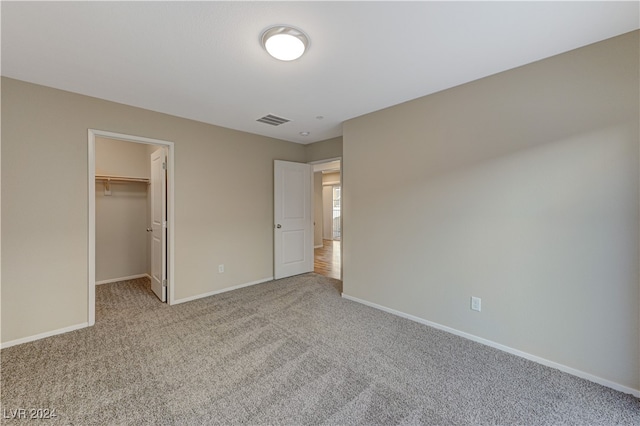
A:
[278, 226]
[149, 230]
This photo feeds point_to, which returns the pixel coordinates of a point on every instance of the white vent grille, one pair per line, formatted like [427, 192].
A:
[273, 120]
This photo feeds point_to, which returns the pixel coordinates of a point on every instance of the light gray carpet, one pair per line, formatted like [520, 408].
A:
[285, 352]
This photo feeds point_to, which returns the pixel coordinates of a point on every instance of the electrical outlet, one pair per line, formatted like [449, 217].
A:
[476, 303]
[220, 269]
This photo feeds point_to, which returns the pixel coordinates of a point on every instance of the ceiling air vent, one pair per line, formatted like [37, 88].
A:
[273, 120]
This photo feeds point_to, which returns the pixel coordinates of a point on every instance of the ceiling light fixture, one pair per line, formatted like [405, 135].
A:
[285, 43]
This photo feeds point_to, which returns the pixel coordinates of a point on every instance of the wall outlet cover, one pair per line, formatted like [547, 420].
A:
[476, 303]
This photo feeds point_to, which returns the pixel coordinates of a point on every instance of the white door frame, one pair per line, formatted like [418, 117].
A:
[330, 160]
[91, 279]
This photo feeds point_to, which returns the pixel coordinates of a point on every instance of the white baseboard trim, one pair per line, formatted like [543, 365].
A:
[115, 280]
[224, 290]
[530, 357]
[43, 335]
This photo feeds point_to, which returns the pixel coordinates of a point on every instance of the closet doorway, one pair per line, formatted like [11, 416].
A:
[130, 213]
[328, 218]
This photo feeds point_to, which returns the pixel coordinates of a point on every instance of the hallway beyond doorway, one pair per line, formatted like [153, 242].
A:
[327, 259]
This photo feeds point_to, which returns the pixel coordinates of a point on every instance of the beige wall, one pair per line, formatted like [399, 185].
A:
[323, 224]
[223, 202]
[328, 180]
[522, 189]
[122, 217]
[120, 158]
[324, 150]
[331, 178]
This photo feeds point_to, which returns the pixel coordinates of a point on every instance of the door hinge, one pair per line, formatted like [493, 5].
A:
[164, 283]
[164, 224]
[164, 166]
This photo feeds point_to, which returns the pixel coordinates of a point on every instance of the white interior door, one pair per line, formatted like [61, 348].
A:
[158, 190]
[293, 215]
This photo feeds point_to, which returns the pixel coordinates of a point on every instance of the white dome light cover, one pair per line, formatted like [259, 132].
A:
[285, 43]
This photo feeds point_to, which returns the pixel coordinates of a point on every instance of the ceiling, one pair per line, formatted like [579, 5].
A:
[203, 60]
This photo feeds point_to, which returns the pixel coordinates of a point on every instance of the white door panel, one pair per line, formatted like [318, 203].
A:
[293, 246]
[293, 227]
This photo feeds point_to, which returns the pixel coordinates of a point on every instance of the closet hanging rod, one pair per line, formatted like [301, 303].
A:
[121, 179]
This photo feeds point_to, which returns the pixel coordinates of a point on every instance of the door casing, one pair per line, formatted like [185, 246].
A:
[91, 244]
[326, 162]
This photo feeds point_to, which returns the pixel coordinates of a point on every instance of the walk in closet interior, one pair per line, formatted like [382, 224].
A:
[122, 210]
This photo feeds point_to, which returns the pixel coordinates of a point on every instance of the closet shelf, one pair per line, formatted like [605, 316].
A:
[107, 178]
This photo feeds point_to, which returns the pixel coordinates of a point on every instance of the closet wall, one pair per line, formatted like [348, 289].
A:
[121, 218]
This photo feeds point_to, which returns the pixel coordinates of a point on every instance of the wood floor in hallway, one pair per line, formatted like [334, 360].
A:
[327, 259]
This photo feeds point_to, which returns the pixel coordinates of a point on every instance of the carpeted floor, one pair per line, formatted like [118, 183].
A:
[287, 352]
